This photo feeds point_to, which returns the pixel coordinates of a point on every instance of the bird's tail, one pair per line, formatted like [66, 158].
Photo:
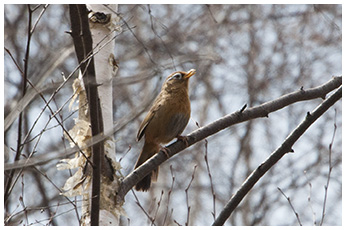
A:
[149, 149]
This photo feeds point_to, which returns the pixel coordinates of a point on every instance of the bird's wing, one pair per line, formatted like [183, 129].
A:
[147, 119]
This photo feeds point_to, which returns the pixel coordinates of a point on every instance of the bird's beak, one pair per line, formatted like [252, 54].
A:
[190, 73]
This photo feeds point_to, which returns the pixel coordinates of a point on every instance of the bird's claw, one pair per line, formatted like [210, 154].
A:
[184, 139]
[166, 151]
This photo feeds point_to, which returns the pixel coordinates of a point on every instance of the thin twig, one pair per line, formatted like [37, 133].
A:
[169, 195]
[210, 179]
[177, 223]
[39, 136]
[31, 154]
[38, 18]
[9, 184]
[329, 172]
[128, 150]
[57, 120]
[157, 35]
[49, 218]
[44, 158]
[309, 200]
[291, 205]
[187, 197]
[21, 200]
[14, 60]
[211, 13]
[157, 209]
[142, 208]
[42, 75]
[41, 208]
[134, 35]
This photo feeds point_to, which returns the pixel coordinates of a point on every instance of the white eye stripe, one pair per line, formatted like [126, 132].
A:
[176, 76]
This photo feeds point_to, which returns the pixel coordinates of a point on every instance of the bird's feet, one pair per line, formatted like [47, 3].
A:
[166, 151]
[184, 139]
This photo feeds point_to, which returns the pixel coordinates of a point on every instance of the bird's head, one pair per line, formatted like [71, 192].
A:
[179, 79]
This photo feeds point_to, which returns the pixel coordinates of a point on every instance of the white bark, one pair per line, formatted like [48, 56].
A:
[103, 33]
[103, 26]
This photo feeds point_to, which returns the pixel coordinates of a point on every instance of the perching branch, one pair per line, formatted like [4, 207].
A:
[222, 123]
[285, 147]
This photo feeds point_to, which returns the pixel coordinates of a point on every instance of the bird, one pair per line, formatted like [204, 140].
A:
[166, 120]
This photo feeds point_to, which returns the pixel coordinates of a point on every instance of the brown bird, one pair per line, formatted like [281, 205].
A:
[166, 119]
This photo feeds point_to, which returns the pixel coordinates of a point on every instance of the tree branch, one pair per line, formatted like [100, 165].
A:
[222, 123]
[8, 183]
[285, 147]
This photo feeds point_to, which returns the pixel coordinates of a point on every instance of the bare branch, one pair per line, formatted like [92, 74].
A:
[276, 156]
[210, 178]
[38, 18]
[187, 197]
[142, 208]
[8, 182]
[309, 200]
[44, 158]
[291, 205]
[169, 195]
[157, 209]
[329, 172]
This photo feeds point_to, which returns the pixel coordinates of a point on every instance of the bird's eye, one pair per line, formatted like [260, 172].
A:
[177, 76]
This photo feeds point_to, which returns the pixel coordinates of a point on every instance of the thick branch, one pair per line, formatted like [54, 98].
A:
[285, 147]
[222, 123]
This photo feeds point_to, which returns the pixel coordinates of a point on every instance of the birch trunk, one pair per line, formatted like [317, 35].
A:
[103, 23]
[104, 26]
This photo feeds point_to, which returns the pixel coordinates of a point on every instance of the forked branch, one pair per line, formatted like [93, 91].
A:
[285, 147]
